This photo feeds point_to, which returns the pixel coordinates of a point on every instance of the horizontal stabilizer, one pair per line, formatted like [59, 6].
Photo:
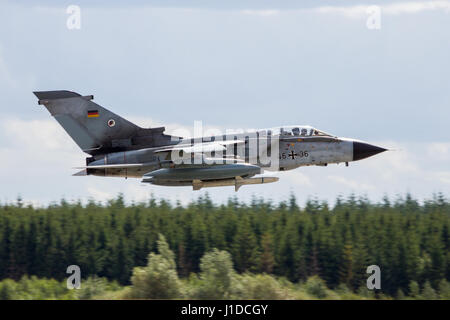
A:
[80, 173]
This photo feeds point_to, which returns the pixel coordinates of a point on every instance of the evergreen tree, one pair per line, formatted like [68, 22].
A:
[245, 249]
[409, 240]
[267, 258]
[346, 270]
[428, 292]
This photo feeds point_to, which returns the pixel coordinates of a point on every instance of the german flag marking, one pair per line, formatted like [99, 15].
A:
[92, 113]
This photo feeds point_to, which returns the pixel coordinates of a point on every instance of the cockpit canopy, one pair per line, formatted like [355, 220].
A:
[297, 131]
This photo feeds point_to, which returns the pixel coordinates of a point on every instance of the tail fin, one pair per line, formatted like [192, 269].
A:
[94, 128]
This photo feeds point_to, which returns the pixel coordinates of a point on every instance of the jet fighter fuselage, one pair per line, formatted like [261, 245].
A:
[119, 148]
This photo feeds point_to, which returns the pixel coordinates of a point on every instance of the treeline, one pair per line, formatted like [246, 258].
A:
[407, 240]
[217, 279]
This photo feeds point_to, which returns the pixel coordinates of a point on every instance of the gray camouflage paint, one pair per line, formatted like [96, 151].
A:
[119, 148]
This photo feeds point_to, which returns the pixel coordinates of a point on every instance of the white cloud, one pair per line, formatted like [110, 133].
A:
[181, 53]
[6, 78]
[261, 13]
[38, 159]
[104, 189]
[99, 195]
[443, 176]
[399, 159]
[349, 12]
[295, 177]
[439, 150]
[351, 184]
[416, 7]
[360, 11]
[45, 135]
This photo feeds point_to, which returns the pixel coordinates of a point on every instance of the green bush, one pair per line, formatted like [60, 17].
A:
[366, 293]
[95, 287]
[7, 289]
[35, 289]
[216, 277]
[444, 289]
[259, 287]
[414, 289]
[316, 287]
[428, 293]
[159, 279]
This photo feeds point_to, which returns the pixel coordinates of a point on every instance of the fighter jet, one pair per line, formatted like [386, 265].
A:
[119, 148]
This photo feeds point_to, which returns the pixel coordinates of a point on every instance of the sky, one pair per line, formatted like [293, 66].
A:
[231, 65]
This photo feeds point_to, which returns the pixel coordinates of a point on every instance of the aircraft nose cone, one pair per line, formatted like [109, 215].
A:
[363, 150]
